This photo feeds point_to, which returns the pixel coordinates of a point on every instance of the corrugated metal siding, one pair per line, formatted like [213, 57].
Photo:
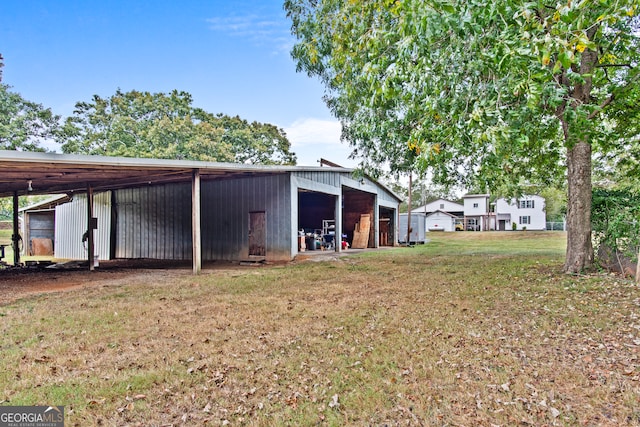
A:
[71, 224]
[225, 216]
[335, 179]
[154, 222]
[384, 195]
[328, 178]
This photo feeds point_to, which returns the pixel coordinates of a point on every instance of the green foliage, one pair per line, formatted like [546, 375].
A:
[616, 220]
[482, 94]
[24, 125]
[422, 192]
[167, 126]
[472, 90]
[555, 203]
[618, 156]
[6, 205]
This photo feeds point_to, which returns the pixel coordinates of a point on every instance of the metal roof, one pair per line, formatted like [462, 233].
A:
[52, 173]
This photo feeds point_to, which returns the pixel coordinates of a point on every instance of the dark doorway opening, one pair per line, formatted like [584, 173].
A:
[257, 234]
[358, 209]
[317, 220]
[387, 227]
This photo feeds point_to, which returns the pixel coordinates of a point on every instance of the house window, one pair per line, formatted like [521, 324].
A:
[475, 205]
[526, 204]
[525, 220]
[441, 205]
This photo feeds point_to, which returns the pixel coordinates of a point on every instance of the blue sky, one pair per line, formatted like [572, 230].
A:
[231, 56]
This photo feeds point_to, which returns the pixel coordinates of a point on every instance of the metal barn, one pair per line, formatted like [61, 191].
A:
[183, 210]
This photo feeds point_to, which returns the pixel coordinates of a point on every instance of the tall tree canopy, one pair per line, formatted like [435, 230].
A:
[24, 125]
[489, 92]
[167, 126]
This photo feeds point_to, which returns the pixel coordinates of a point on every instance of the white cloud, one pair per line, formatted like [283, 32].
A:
[259, 30]
[244, 25]
[314, 131]
[312, 139]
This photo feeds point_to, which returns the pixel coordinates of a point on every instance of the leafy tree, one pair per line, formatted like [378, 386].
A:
[422, 192]
[255, 142]
[158, 125]
[555, 203]
[616, 223]
[481, 93]
[24, 125]
[617, 160]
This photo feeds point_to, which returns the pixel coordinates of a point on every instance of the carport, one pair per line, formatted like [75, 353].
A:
[26, 173]
[276, 186]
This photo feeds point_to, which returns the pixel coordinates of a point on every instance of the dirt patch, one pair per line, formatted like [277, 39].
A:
[18, 284]
[22, 282]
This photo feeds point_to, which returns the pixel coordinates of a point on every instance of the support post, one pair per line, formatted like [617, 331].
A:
[15, 238]
[90, 234]
[337, 238]
[195, 222]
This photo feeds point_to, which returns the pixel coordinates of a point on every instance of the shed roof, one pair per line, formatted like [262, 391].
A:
[442, 212]
[52, 173]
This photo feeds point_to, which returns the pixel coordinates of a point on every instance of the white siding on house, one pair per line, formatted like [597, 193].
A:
[440, 205]
[476, 205]
[531, 215]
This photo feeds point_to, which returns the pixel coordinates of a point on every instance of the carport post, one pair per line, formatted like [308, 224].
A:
[195, 221]
[15, 239]
[337, 238]
[90, 248]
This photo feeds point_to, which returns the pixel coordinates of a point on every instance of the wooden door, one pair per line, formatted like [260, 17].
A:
[257, 234]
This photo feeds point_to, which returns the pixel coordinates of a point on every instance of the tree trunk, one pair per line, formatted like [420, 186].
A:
[579, 246]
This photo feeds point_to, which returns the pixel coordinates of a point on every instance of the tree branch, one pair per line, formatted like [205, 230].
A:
[606, 102]
[614, 65]
[611, 97]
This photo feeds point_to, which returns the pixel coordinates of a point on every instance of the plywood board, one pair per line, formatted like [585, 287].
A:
[40, 246]
[361, 232]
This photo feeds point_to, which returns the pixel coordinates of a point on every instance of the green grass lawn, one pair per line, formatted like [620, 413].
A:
[5, 239]
[468, 329]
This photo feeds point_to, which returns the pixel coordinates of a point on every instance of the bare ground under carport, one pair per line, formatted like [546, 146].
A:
[17, 283]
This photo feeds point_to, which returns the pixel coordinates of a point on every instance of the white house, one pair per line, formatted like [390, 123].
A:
[476, 212]
[443, 206]
[527, 212]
